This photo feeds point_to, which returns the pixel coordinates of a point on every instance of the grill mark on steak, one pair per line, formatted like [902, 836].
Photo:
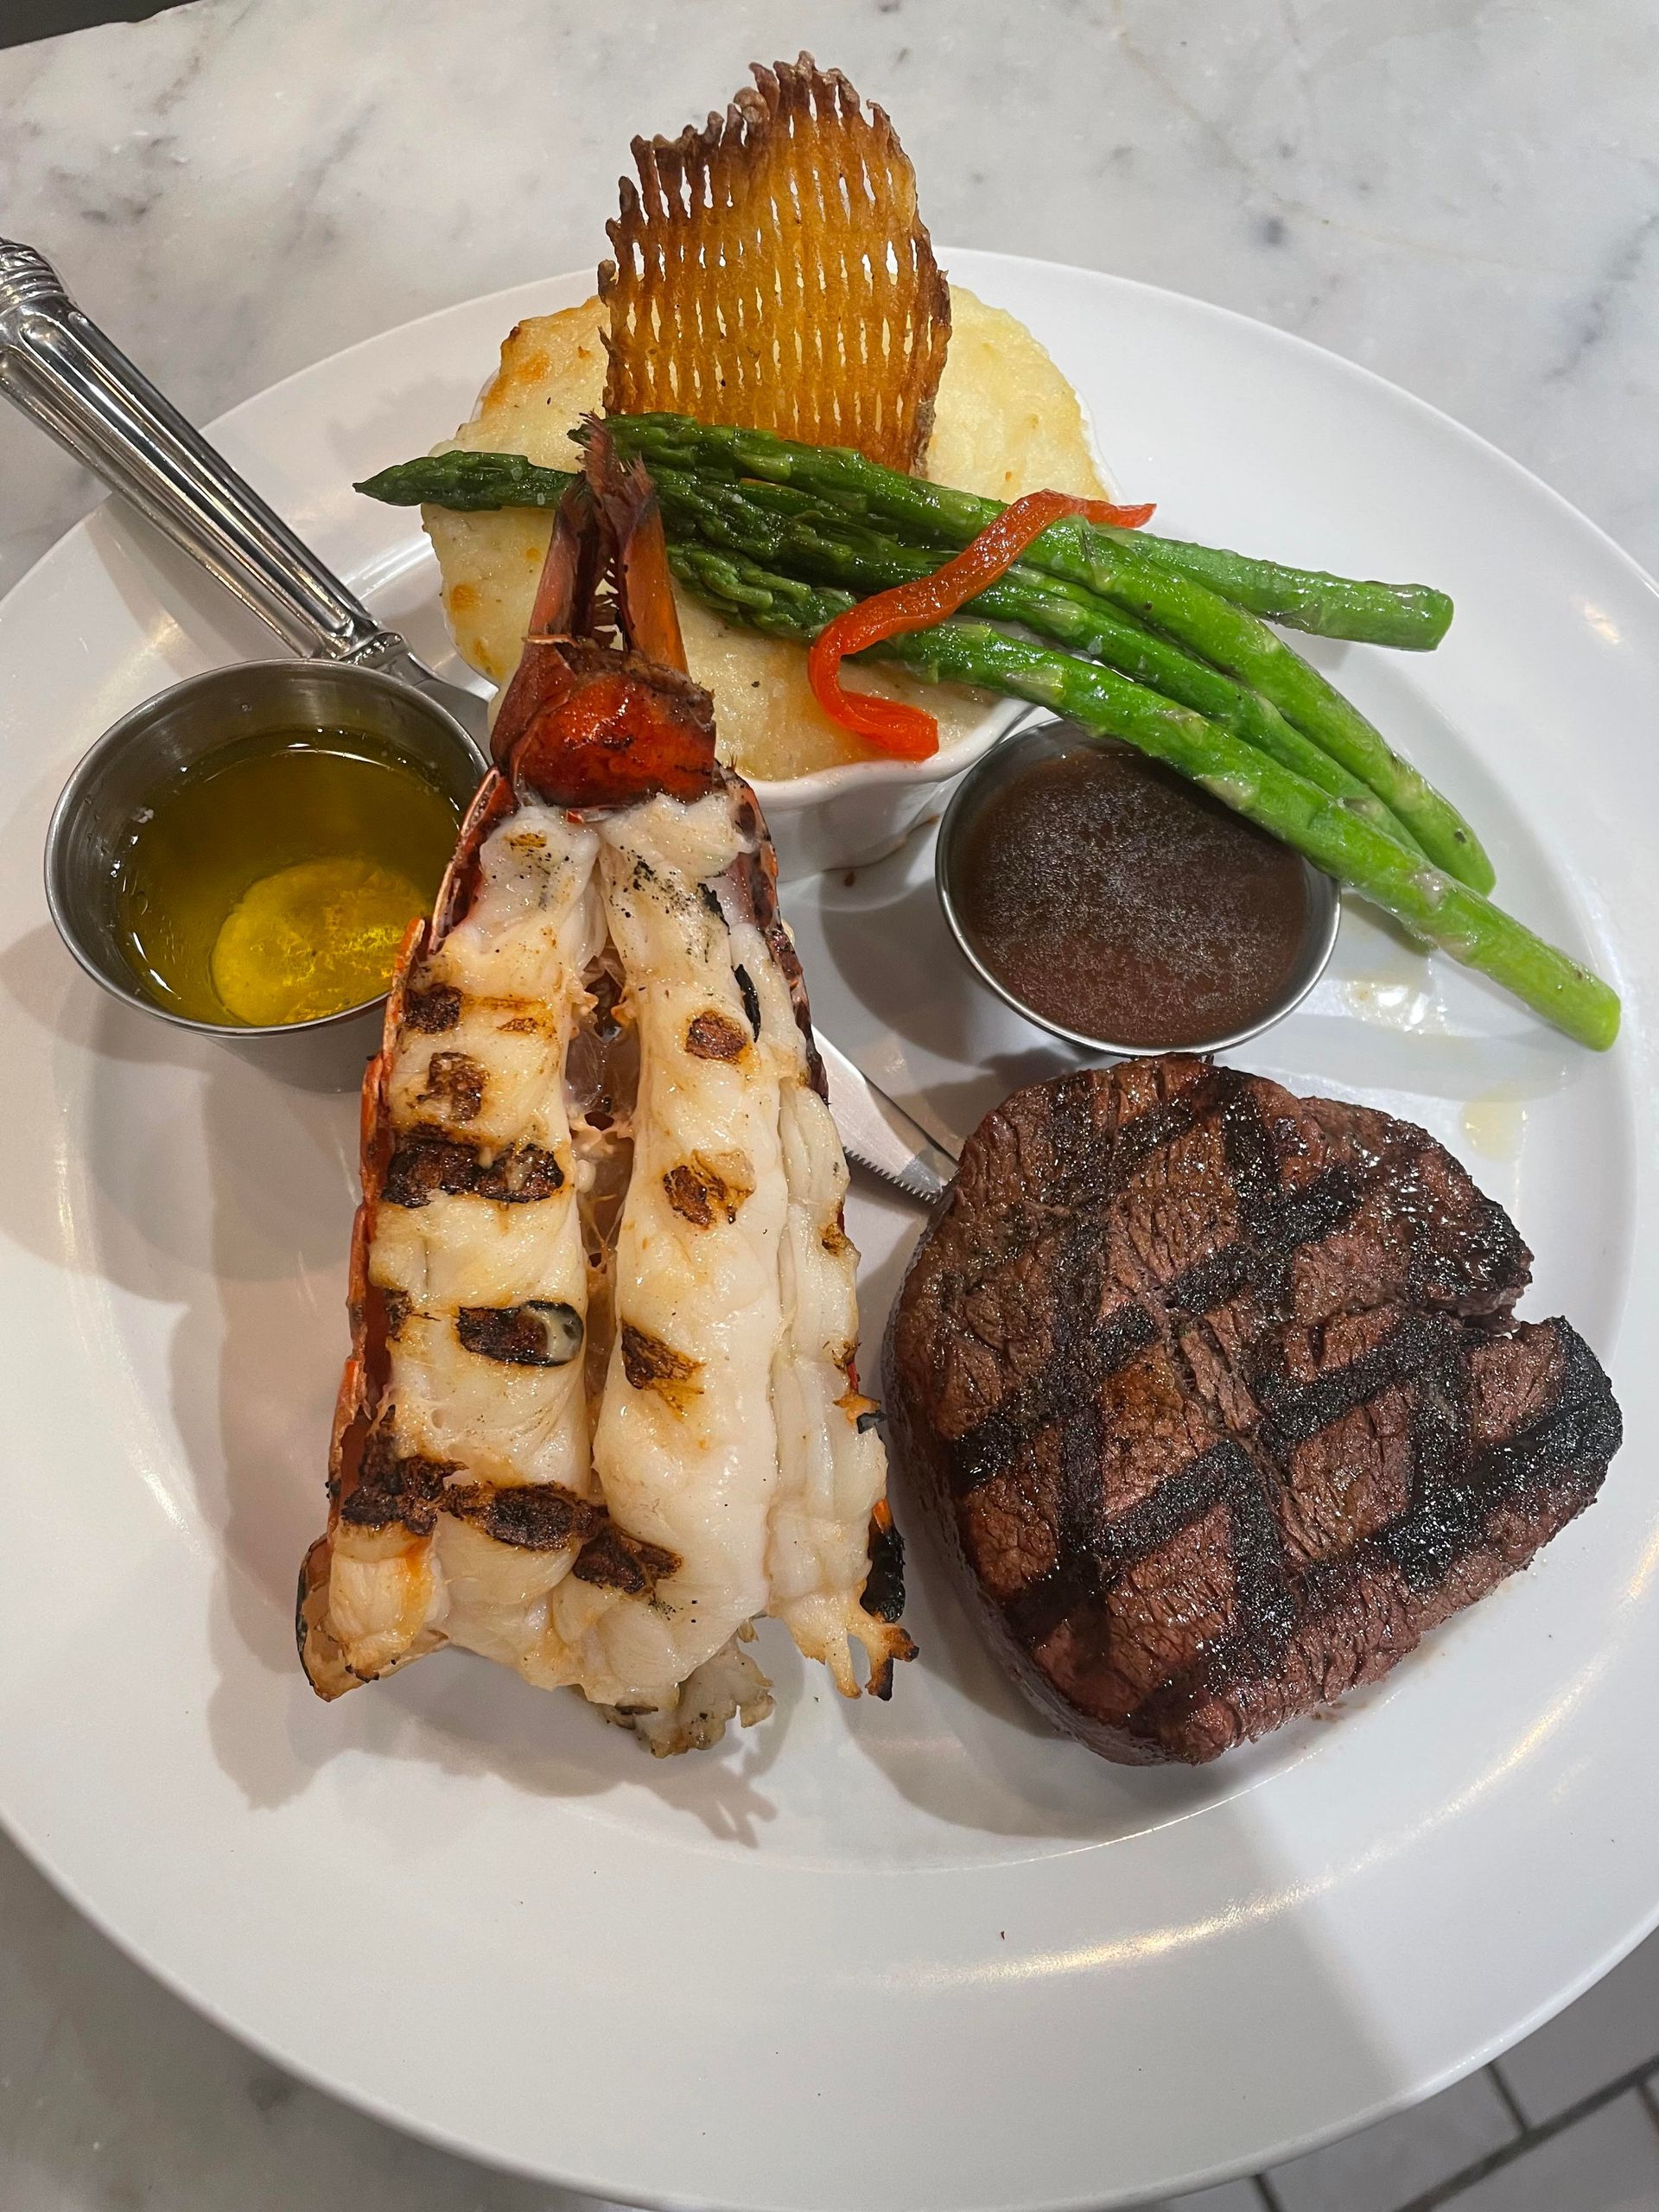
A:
[1079, 1362]
[1134, 1142]
[1583, 1420]
[1294, 1412]
[1420, 1541]
[1584, 1423]
[1448, 1514]
[1276, 1222]
[1079, 1496]
[1347, 1436]
[1225, 1474]
[1277, 1225]
[1448, 1510]
[1262, 1261]
[1416, 1351]
[1066, 1386]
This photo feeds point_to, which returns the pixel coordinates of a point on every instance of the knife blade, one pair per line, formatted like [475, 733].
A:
[881, 1135]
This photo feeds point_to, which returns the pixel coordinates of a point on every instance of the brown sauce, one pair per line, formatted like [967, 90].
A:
[1121, 902]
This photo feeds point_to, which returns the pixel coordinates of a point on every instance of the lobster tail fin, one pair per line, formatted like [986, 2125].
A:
[567, 595]
[601, 709]
[636, 549]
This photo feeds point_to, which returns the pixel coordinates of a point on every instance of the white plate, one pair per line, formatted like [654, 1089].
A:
[920, 1955]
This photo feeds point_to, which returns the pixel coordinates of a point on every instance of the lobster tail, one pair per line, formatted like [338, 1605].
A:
[601, 1410]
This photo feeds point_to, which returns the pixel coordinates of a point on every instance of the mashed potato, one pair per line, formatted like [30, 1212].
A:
[1006, 421]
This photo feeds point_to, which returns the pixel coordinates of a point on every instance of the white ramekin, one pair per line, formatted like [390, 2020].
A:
[847, 817]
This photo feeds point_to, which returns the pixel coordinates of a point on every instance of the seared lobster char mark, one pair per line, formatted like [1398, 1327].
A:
[469, 1280]
[601, 1409]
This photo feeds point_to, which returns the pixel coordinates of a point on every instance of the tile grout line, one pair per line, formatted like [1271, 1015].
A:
[1643, 2079]
[1545, 2132]
[1510, 2102]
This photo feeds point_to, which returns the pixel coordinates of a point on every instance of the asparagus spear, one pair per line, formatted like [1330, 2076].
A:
[1289, 806]
[1290, 706]
[1108, 563]
[468, 482]
[1413, 616]
[841, 548]
[787, 530]
[1267, 791]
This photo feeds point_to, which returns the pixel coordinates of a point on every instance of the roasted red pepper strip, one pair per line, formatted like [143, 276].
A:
[906, 731]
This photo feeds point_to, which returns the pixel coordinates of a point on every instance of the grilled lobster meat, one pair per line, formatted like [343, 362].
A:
[601, 1410]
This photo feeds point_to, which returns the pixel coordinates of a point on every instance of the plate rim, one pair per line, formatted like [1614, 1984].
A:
[199, 1999]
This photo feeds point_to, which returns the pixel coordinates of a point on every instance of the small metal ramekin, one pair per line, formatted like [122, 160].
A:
[69, 377]
[186, 725]
[1053, 740]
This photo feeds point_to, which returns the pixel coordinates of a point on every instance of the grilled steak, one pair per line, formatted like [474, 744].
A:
[1220, 1396]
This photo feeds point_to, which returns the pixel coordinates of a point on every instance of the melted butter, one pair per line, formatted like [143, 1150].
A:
[1495, 1126]
[1390, 1002]
[311, 940]
[272, 881]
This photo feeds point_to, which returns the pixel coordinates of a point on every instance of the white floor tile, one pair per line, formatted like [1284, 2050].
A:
[114, 2095]
[1612, 2029]
[1383, 2166]
[1608, 2163]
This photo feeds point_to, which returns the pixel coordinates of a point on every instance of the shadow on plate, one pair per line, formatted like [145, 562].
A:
[901, 962]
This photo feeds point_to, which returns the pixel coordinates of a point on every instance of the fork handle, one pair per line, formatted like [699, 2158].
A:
[62, 371]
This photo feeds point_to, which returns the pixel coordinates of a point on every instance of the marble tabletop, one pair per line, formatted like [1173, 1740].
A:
[1462, 194]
